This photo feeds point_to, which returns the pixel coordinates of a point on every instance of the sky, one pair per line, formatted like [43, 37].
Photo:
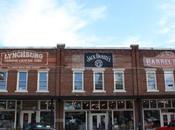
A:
[87, 23]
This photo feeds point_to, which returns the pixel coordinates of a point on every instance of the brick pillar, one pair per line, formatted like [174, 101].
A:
[59, 115]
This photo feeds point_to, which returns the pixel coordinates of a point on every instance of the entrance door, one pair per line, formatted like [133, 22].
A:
[98, 121]
[27, 117]
[166, 118]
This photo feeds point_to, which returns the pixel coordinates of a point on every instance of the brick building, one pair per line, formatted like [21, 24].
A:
[87, 88]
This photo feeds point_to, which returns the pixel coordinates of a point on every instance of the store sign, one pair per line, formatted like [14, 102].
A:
[165, 60]
[26, 57]
[98, 60]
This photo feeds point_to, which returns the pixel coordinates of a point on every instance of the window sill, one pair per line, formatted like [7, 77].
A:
[169, 90]
[120, 91]
[99, 91]
[1, 90]
[21, 91]
[42, 91]
[80, 91]
[152, 90]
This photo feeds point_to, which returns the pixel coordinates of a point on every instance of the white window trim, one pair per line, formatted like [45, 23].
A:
[153, 71]
[98, 70]
[38, 79]
[73, 87]
[119, 70]
[17, 85]
[5, 90]
[172, 71]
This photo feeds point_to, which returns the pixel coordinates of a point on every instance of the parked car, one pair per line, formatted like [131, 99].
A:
[171, 126]
[38, 126]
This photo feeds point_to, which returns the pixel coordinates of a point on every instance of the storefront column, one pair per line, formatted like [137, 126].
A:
[18, 115]
[59, 115]
[138, 115]
[52, 113]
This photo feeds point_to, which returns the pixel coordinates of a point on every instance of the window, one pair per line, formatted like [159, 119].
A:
[151, 80]
[22, 81]
[119, 84]
[78, 78]
[3, 81]
[98, 81]
[169, 80]
[42, 81]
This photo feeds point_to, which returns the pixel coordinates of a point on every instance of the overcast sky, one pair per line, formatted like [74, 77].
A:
[87, 23]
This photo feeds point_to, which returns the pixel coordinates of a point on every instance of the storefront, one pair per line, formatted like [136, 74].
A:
[16, 114]
[99, 114]
[158, 112]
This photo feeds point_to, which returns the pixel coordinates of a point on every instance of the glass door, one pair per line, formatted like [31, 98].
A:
[166, 118]
[98, 121]
[27, 117]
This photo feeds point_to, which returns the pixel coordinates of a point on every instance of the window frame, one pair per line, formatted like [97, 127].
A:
[170, 71]
[47, 81]
[6, 78]
[119, 70]
[73, 84]
[103, 87]
[18, 76]
[151, 71]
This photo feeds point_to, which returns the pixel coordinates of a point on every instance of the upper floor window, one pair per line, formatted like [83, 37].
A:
[98, 80]
[169, 80]
[42, 81]
[151, 80]
[78, 80]
[22, 81]
[119, 84]
[3, 81]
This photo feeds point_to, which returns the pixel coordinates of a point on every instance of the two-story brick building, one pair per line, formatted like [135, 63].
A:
[87, 88]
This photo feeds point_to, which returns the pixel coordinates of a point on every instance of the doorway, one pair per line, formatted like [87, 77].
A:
[98, 121]
[27, 117]
[166, 118]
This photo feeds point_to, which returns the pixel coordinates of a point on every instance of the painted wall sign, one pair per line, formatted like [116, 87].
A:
[98, 60]
[24, 57]
[165, 60]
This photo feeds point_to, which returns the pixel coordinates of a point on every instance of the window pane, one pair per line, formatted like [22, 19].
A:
[146, 104]
[11, 105]
[43, 76]
[98, 81]
[118, 80]
[2, 105]
[22, 81]
[78, 81]
[112, 104]
[86, 105]
[43, 81]
[153, 103]
[151, 81]
[169, 80]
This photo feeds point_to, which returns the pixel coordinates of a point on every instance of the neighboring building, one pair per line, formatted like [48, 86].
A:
[27, 86]
[87, 88]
